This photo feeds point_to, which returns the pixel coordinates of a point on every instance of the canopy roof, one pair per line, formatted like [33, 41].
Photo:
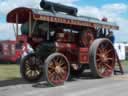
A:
[36, 14]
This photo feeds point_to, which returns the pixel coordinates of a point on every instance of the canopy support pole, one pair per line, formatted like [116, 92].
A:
[14, 29]
[30, 24]
[16, 25]
[48, 33]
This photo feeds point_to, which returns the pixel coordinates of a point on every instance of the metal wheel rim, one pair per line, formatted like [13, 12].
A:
[58, 70]
[32, 69]
[105, 59]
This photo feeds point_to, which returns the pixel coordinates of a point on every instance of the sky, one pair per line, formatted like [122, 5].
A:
[114, 10]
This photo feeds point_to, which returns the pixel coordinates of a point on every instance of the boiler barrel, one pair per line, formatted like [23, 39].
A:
[46, 5]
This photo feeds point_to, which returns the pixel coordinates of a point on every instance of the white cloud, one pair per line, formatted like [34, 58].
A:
[114, 14]
[7, 5]
[89, 11]
[112, 11]
[117, 7]
[65, 1]
[122, 34]
[6, 31]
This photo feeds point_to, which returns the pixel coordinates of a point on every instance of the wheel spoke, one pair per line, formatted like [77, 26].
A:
[61, 76]
[64, 68]
[27, 67]
[51, 74]
[61, 61]
[51, 69]
[57, 59]
[51, 66]
[99, 55]
[61, 64]
[33, 74]
[30, 60]
[37, 72]
[98, 60]
[108, 66]
[55, 63]
[54, 78]
[106, 53]
[102, 50]
[99, 65]
[27, 62]
[51, 78]
[57, 77]
[99, 50]
[28, 72]
[109, 59]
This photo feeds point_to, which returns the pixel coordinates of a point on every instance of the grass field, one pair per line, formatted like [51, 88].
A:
[125, 62]
[9, 71]
[12, 72]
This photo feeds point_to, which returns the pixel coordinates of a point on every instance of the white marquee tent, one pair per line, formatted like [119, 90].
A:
[120, 49]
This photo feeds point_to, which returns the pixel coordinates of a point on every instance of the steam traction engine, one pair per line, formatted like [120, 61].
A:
[64, 44]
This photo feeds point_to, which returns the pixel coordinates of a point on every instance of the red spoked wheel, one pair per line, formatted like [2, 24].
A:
[31, 68]
[102, 58]
[57, 69]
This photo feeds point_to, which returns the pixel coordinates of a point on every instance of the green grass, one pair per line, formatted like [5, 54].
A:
[9, 71]
[12, 71]
[125, 62]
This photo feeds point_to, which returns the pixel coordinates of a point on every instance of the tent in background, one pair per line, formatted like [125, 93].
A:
[120, 49]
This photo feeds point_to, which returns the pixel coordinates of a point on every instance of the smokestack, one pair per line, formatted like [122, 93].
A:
[56, 7]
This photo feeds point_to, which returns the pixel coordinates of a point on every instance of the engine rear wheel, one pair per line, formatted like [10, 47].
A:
[102, 58]
[57, 69]
[31, 68]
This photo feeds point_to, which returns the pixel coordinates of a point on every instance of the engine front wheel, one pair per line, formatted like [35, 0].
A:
[31, 68]
[57, 69]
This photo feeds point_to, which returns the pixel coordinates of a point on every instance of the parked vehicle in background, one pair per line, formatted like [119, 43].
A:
[12, 50]
[8, 51]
